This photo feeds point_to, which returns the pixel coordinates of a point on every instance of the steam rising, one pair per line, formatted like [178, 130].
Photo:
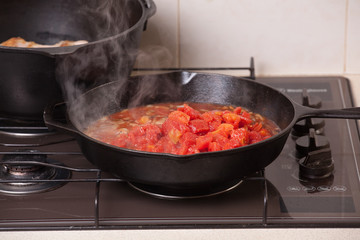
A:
[109, 54]
[106, 61]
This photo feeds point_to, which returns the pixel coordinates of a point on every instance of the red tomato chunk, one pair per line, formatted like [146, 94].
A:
[181, 130]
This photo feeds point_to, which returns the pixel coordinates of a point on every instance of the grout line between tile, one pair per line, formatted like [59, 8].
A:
[346, 34]
[178, 47]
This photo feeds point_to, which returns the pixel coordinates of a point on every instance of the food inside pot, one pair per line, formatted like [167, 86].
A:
[182, 128]
[20, 42]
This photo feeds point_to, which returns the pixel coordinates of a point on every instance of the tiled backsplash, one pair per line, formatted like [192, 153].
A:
[286, 37]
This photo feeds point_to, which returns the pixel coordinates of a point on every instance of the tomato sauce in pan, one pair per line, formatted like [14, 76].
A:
[182, 128]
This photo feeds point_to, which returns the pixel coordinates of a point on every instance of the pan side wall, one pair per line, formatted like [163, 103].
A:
[182, 172]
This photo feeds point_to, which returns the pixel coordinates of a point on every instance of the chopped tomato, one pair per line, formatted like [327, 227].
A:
[182, 150]
[208, 116]
[213, 120]
[232, 143]
[238, 110]
[180, 117]
[165, 145]
[192, 113]
[188, 139]
[202, 142]
[144, 134]
[187, 143]
[192, 149]
[242, 135]
[238, 138]
[174, 135]
[244, 121]
[254, 137]
[183, 130]
[232, 119]
[214, 146]
[224, 129]
[199, 126]
[220, 139]
[171, 124]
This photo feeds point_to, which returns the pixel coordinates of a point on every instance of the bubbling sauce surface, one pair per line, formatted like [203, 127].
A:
[182, 128]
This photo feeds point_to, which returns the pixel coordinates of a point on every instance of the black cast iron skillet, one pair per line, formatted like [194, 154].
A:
[31, 78]
[190, 172]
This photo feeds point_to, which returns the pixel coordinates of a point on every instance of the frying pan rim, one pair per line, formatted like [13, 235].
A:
[282, 132]
[70, 49]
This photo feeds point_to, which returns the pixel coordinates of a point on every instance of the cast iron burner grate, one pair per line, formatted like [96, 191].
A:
[28, 133]
[23, 128]
[250, 69]
[174, 193]
[28, 171]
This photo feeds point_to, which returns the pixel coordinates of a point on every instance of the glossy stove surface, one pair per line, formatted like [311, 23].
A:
[275, 197]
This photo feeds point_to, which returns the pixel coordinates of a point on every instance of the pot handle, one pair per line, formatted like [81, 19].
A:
[345, 113]
[53, 122]
[150, 9]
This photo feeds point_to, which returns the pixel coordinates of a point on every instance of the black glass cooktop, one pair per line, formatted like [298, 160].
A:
[280, 195]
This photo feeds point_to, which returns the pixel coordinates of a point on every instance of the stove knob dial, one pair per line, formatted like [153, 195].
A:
[317, 164]
[4, 168]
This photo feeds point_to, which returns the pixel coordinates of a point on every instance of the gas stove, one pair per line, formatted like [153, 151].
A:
[47, 184]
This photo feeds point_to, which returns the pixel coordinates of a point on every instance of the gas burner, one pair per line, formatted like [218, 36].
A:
[29, 171]
[20, 133]
[29, 133]
[23, 128]
[33, 141]
[183, 193]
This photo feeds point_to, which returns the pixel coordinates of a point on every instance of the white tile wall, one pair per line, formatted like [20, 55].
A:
[159, 45]
[353, 38]
[286, 37]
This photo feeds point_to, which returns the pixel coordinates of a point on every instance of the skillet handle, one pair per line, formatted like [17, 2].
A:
[345, 113]
[51, 118]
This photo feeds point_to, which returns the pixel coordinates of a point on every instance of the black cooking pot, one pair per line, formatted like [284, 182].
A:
[31, 78]
[178, 173]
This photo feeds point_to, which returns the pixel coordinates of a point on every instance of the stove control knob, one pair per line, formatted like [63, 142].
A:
[310, 143]
[4, 168]
[317, 164]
